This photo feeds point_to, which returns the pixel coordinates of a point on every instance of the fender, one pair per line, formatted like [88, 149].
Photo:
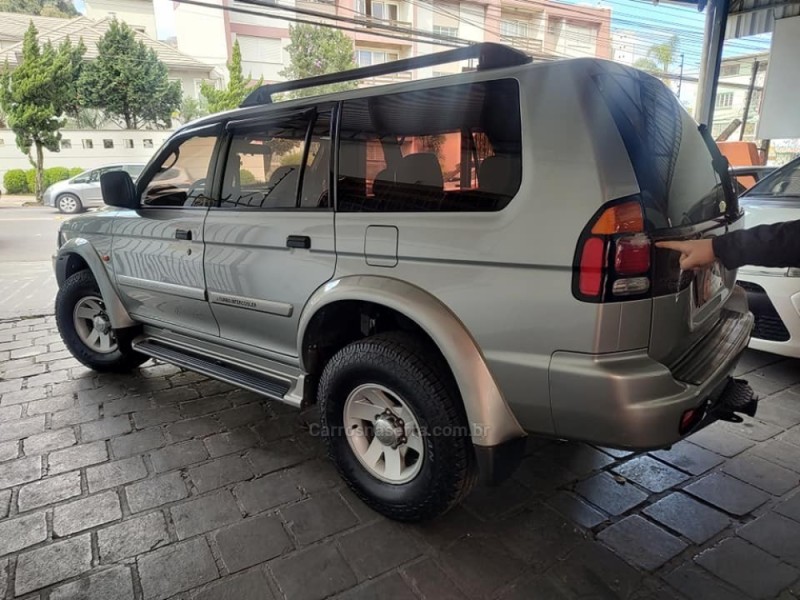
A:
[491, 420]
[116, 311]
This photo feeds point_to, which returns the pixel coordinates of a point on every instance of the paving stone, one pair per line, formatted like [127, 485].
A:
[314, 475]
[21, 428]
[492, 502]
[3, 577]
[24, 396]
[204, 406]
[688, 517]
[430, 581]
[219, 473]
[275, 428]
[579, 459]
[42, 443]
[5, 503]
[641, 543]
[313, 574]
[748, 568]
[10, 413]
[650, 474]
[762, 474]
[115, 583]
[178, 455]
[252, 541]
[118, 472]
[132, 537]
[228, 442]
[479, 567]
[156, 416]
[780, 453]
[49, 405]
[156, 491]
[721, 441]
[790, 508]
[105, 428]
[727, 493]
[754, 429]
[76, 457]
[392, 586]
[74, 386]
[243, 415]
[576, 510]
[779, 414]
[279, 455]
[9, 450]
[697, 583]
[74, 416]
[22, 470]
[52, 563]
[204, 514]
[211, 387]
[267, 492]
[614, 498]
[22, 532]
[114, 406]
[176, 568]
[137, 442]
[192, 428]
[777, 535]
[318, 517]
[377, 548]
[86, 513]
[251, 585]
[49, 491]
[689, 458]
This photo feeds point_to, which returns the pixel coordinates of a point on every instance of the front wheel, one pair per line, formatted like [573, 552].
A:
[69, 204]
[395, 427]
[86, 329]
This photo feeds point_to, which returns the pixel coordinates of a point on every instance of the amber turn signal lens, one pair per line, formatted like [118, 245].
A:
[622, 218]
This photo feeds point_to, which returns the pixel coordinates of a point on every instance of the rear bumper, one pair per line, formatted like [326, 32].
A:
[775, 303]
[629, 400]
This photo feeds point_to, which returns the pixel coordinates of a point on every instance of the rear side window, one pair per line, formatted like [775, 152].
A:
[783, 183]
[673, 164]
[455, 148]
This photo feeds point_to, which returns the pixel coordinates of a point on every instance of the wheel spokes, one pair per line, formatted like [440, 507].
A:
[394, 463]
[105, 342]
[362, 409]
[373, 453]
[85, 312]
[415, 442]
[93, 337]
[378, 398]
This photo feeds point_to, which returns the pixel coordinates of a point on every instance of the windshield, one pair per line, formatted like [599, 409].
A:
[783, 183]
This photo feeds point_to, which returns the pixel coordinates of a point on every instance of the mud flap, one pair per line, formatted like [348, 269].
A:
[736, 398]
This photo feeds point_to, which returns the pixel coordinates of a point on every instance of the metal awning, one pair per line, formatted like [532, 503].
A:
[753, 17]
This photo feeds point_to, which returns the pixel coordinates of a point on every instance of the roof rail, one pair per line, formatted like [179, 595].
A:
[489, 55]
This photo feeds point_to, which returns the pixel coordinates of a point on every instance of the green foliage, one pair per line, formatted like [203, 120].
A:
[15, 182]
[75, 171]
[36, 95]
[30, 180]
[45, 8]
[660, 57]
[317, 51]
[293, 158]
[192, 108]
[237, 89]
[128, 82]
[246, 177]
[54, 175]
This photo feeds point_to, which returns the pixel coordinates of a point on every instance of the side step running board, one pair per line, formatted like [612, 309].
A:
[260, 384]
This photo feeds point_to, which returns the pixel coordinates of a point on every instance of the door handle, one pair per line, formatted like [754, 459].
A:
[183, 234]
[298, 241]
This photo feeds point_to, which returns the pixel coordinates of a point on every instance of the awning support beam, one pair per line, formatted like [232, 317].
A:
[711, 60]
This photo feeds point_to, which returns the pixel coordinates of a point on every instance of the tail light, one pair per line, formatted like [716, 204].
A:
[613, 258]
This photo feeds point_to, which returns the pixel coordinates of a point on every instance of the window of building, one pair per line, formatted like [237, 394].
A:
[87, 144]
[513, 28]
[730, 70]
[265, 163]
[108, 144]
[66, 144]
[127, 143]
[147, 143]
[423, 159]
[378, 10]
[724, 100]
[181, 179]
[365, 58]
[448, 31]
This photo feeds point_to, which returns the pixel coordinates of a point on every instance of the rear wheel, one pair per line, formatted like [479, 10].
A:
[69, 204]
[395, 427]
[86, 329]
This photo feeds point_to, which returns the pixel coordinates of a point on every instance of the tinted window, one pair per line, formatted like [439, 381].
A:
[454, 148]
[266, 161]
[182, 175]
[783, 183]
[134, 170]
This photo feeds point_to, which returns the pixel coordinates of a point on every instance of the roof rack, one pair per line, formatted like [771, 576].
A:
[489, 55]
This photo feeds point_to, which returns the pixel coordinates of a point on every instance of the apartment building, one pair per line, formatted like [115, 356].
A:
[734, 82]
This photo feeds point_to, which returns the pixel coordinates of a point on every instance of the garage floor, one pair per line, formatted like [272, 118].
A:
[169, 485]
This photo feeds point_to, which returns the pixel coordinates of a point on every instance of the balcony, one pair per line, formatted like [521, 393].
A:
[369, 21]
[526, 44]
[387, 79]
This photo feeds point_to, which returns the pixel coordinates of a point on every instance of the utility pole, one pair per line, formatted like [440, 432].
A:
[680, 78]
[756, 64]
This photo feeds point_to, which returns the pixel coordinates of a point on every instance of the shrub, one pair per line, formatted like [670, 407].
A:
[30, 176]
[246, 177]
[54, 174]
[292, 159]
[15, 181]
[76, 171]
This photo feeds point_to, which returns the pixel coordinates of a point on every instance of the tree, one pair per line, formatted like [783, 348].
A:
[237, 89]
[128, 82]
[36, 95]
[192, 108]
[316, 51]
[660, 57]
[45, 8]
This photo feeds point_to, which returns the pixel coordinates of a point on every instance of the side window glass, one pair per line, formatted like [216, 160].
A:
[94, 176]
[181, 178]
[401, 152]
[315, 190]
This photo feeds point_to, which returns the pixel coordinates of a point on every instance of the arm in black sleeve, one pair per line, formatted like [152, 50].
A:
[775, 245]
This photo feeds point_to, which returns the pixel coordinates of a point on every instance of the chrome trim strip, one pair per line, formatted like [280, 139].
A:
[266, 306]
[173, 289]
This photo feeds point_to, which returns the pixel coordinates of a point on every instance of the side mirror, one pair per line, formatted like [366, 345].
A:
[118, 189]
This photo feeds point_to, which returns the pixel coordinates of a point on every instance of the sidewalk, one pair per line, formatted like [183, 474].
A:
[27, 289]
[12, 201]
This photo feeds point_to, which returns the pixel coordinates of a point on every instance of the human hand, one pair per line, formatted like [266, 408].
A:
[695, 254]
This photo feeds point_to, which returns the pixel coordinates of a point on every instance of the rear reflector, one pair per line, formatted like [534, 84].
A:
[690, 418]
[593, 258]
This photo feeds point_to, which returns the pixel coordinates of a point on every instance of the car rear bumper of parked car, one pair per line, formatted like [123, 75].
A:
[629, 400]
[774, 300]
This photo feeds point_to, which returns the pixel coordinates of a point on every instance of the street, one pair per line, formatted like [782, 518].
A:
[27, 241]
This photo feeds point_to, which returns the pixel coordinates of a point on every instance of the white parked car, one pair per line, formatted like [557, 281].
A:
[78, 193]
[774, 294]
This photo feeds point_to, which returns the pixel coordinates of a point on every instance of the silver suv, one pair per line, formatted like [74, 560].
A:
[445, 265]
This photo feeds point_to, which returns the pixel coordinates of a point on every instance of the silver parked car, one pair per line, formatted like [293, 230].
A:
[311, 251]
[78, 193]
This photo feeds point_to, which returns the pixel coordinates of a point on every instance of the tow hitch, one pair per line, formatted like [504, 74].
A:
[737, 397]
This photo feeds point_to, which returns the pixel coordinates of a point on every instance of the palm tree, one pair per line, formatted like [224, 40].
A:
[660, 57]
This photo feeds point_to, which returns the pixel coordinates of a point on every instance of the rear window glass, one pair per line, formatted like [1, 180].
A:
[673, 165]
[454, 148]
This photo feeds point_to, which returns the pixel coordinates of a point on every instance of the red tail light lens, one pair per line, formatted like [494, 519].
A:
[593, 259]
[633, 255]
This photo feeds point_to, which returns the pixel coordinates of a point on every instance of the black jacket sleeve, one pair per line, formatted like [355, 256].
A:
[775, 245]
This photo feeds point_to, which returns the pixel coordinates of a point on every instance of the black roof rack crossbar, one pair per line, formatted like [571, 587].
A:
[489, 55]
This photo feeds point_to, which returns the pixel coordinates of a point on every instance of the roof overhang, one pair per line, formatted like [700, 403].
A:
[749, 17]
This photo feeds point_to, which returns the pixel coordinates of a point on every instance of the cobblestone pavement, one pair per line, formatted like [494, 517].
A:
[164, 484]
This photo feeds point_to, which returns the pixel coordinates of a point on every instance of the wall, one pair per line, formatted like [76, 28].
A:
[136, 13]
[201, 34]
[779, 115]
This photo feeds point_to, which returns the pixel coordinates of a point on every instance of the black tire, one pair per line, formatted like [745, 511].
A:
[71, 210]
[403, 364]
[77, 287]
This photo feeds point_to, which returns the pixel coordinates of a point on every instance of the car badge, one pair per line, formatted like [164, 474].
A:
[723, 206]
